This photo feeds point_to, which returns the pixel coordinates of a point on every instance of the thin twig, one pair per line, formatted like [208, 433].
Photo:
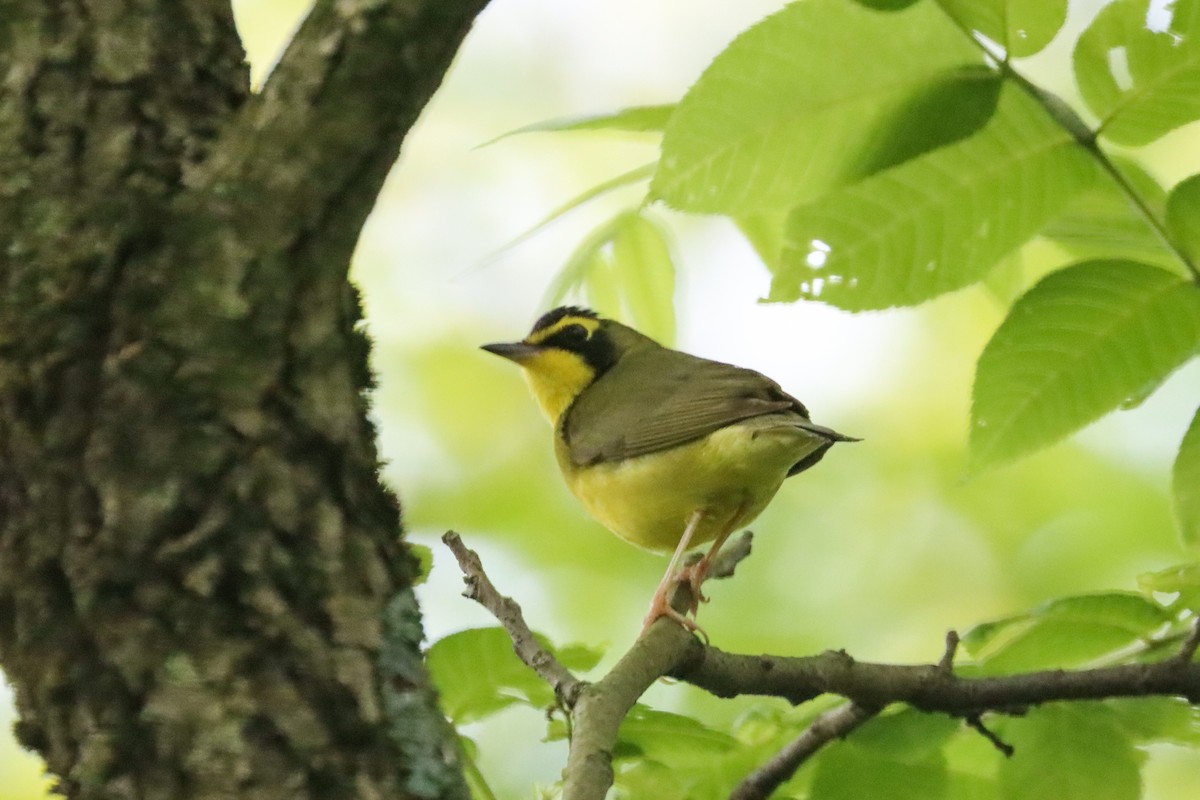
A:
[833, 724]
[947, 663]
[480, 589]
[928, 687]
[975, 721]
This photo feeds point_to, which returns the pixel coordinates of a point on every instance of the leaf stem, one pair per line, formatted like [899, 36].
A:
[1087, 138]
[1147, 213]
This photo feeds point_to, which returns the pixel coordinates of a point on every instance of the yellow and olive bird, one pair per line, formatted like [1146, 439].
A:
[665, 449]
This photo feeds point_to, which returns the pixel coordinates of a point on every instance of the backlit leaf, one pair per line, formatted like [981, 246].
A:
[645, 273]
[847, 771]
[612, 184]
[1075, 346]
[1138, 68]
[636, 119]
[938, 222]
[1182, 580]
[1069, 752]
[477, 674]
[771, 123]
[1069, 631]
[1103, 221]
[1020, 27]
[671, 739]
[1185, 483]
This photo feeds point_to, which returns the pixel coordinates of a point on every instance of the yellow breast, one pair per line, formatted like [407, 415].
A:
[731, 475]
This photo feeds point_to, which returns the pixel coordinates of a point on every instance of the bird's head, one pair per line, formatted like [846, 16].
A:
[568, 349]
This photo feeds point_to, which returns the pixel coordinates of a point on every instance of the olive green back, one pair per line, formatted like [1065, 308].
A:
[655, 398]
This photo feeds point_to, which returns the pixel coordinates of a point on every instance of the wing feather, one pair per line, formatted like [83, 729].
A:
[654, 399]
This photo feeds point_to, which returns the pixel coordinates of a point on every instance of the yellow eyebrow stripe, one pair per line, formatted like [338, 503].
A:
[537, 337]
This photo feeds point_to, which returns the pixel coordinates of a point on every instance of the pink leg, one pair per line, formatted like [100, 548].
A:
[660, 605]
[696, 575]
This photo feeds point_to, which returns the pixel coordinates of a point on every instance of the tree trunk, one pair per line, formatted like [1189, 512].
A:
[202, 588]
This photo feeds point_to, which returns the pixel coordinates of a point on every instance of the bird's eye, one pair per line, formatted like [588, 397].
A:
[575, 333]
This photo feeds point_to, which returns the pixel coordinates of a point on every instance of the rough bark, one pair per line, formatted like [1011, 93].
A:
[202, 588]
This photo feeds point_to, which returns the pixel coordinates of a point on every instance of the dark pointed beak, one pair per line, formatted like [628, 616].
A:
[513, 351]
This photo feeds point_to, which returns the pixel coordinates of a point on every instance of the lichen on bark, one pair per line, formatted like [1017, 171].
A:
[196, 552]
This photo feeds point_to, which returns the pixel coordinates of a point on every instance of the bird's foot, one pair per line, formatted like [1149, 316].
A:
[695, 575]
[660, 606]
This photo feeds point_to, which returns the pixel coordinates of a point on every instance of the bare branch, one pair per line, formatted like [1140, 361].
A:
[603, 705]
[928, 687]
[833, 724]
[480, 589]
[667, 649]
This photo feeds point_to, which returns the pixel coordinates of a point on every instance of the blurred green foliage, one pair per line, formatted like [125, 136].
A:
[862, 141]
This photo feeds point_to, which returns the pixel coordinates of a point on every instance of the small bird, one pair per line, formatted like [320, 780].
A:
[665, 449]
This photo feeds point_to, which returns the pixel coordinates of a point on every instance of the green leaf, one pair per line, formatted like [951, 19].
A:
[646, 274]
[949, 107]
[1069, 752]
[1157, 719]
[1138, 68]
[1074, 347]
[1103, 222]
[636, 119]
[1183, 580]
[765, 233]
[769, 124]
[574, 272]
[624, 179]
[1020, 27]
[424, 558]
[477, 674]
[938, 222]
[907, 735]
[625, 270]
[887, 5]
[1185, 483]
[1183, 217]
[1066, 632]
[579, 657]
[847, 771]
[671, 739]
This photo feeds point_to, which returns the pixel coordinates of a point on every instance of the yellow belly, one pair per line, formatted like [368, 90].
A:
[730, 475]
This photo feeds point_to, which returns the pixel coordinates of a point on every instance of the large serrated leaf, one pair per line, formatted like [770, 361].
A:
[1185, 483]
[1020, 27]
[1070, 752]
[1075, 346]
[936, 223]
[1104, 222]
[1138, 68]
[771, 123]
